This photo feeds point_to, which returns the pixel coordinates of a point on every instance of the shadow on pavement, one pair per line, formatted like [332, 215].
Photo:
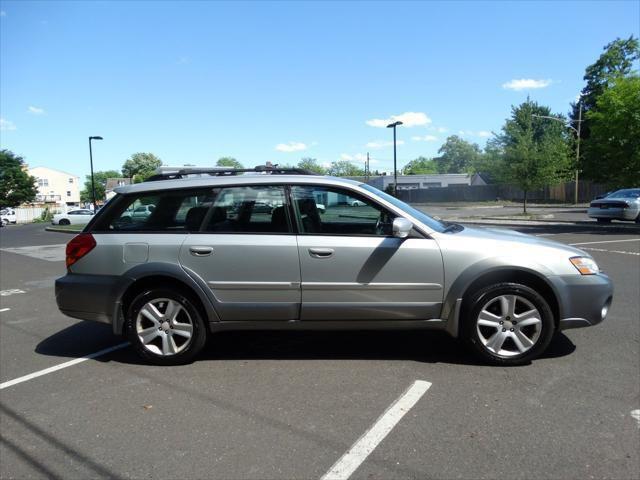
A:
[416, 345]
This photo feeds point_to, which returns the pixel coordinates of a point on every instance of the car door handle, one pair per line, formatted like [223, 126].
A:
[201, 251]
[321, 252]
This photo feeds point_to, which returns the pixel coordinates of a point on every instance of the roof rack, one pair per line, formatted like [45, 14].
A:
[183, 172]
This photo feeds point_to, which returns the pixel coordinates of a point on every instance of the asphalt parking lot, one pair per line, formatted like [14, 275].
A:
[291, 404]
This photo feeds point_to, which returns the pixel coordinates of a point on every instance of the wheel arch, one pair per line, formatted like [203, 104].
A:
[456, 303]
[149, 275]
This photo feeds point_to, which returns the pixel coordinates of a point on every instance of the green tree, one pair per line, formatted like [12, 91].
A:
[420, 166]
[228, 162]
[140, 166]
[16, 185]
[535, 151]
[615, 134]
[616, 61]
[344, 168]
[312, 165]
[100, 183]
[456, 155]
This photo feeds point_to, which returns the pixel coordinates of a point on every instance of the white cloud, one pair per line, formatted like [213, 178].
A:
[408, 119]
[526, 84]
[442, 130]
[383, 143]
[6, 125]
[35, 110]
[472, 133]
[291, 147]
[425, 138]
[345, 156]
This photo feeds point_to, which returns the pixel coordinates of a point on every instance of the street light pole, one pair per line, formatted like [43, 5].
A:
[93, 185]
[395, 167]
[577, 130]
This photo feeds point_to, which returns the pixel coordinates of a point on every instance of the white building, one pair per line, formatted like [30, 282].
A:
[413, 182]
[56, 186]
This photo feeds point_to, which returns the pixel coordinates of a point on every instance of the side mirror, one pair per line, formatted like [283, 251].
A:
[401, 227]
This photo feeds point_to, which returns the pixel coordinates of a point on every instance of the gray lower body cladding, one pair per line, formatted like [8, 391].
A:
[582, 299]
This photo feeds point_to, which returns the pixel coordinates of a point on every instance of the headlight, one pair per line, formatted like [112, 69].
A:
[585, 265]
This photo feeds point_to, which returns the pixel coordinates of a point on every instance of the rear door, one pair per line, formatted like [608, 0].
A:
[354, 269]
[247, 253]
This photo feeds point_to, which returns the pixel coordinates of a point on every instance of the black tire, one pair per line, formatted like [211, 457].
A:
[64, 221]
[470, 330]
[189, 304]
[638, 218]
[604, 220]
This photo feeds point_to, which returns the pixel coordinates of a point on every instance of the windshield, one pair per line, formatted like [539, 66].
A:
[626, 193]
[423, 217]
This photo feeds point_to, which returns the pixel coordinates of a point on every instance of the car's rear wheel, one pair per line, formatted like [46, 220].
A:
[64, 221]
[604, 220]
[165, 327]
[508, 324]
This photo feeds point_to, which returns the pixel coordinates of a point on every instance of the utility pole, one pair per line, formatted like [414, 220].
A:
[367, 171]
[575, 200]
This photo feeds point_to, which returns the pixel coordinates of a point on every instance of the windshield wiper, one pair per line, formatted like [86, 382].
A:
[453, 227]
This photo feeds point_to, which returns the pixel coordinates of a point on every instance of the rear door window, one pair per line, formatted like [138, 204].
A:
[249, 209]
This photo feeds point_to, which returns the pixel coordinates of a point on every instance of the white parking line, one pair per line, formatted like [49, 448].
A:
[359, 451]
[610, 251]
[13, 291]
[607, 241]
[55, 368]
[636, 414]
[4, 310]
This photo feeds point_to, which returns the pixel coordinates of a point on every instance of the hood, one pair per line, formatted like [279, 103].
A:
[516, 240]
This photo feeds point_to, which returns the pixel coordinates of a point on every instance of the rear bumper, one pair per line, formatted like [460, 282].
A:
[89, 297]
[584, 300]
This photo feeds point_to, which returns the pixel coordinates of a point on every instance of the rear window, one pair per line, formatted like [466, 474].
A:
[168, 211]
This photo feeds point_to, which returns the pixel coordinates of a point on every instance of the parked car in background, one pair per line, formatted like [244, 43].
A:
[73, 217]
[385, 265]
[7, 216]
[619, 205]
[357, 203]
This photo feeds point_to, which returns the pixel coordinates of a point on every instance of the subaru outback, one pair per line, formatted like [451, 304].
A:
[209, 257]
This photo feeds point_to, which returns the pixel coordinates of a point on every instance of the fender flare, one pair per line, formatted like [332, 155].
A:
[176, 272]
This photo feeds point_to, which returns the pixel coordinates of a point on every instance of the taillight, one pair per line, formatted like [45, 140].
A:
[78, 247]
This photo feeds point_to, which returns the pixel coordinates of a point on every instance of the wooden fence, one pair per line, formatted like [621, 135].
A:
[562, 193]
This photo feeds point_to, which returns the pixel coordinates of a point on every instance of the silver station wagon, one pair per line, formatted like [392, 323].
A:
[284, 249]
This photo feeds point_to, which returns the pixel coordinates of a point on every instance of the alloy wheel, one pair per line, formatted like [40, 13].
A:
[164, 327]
[509, 325]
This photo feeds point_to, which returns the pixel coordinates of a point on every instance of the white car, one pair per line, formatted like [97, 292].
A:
[75, 217]
[357, 203]
[8, 215]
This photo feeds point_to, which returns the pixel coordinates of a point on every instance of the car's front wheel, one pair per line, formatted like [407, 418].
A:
[165, 327]
[508, 324]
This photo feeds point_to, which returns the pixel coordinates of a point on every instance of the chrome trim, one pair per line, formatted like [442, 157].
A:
[369, 286]
[254, 285]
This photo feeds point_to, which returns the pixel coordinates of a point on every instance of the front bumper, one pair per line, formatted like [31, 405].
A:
[89, 297]
[616, 213]
[584, 300]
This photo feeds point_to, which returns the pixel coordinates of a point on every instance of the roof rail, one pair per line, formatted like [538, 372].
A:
[184, 172]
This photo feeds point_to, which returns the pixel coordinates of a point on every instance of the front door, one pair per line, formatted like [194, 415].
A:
[246, 252]
[353, 268]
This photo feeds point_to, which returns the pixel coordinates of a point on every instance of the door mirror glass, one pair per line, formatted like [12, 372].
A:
[401, 227]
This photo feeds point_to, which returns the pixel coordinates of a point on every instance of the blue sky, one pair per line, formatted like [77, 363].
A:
[194, 81]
